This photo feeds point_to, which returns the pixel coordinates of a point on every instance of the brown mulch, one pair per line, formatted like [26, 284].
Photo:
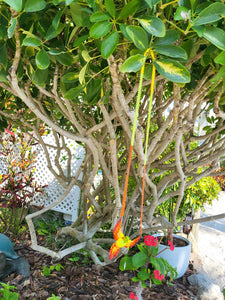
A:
[83, 281]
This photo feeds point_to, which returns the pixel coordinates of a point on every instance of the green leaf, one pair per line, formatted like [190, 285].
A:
[31, 41]
[139, 259]
[216, 36]
[138, 36]
[99, 16]
[109, 44]
[3, 75]
[153, 25]
[12, 27]
[158, 264]
[86, 55]
[100, 29]
[42, 59]
[65, 59]
[3, 56]
[129, 9]
[181, 12]
[70, 77]
[220, 59]
[143, 275]
[151, 3]
[56, 20]
[124, 31]
[34, 5]
[172, 70]
[80, 15]
[133, 63]
[148, 72]
[82, 74]
[172, 51]
[80, 40]
[52, 32]
[15, 4]
[110, 7]
[212, 13]
[126, 263]
[40, 77]
[170, 37]
[68, 2]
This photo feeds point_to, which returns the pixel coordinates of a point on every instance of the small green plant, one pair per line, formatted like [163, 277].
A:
[82, 257]
[53, 297]
[149, 268]
[48, 270]
[6, 292]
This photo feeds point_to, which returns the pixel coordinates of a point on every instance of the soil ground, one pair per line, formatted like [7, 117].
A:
[86, 281]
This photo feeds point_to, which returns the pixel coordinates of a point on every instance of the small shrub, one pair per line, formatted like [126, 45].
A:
[17, 185]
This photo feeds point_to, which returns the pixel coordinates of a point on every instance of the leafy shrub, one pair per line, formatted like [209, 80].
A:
[17, 183]
[195, 197]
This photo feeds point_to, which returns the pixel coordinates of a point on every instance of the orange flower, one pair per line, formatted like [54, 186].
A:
[121, 240]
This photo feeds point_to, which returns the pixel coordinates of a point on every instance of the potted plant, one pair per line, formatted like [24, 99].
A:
[148, 266]
[180, 256]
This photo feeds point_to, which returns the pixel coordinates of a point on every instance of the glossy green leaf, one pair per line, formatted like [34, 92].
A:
[153, 25]
[133, 63]
[172, 70]
[212, 13]
[3, 56]
[124, 31]
[109, 44]
[138, 36]
[139, 259]
[199, 29]
[56, 20]
[31, 41]
[65, 59]
[74, 92]
[129, 9]
[52, 32]
[170, 37]
[80, 15]
[70, 77]
[126, 263]
[100, 29]
[216, 36]
[34, 5]
[220, 59]
[12, 27]
[99, 16]
[42, 59]
[40, 77]
[110, 7]
[172, 51]
[151, 3]
[15, 4]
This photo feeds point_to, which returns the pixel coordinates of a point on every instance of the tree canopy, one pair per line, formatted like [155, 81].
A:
[75, 66]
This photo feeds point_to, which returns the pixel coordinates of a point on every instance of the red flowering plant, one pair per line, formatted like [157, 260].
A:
[148, 267]
[17, 186]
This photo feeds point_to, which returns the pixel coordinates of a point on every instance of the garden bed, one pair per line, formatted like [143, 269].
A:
[83, 280]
